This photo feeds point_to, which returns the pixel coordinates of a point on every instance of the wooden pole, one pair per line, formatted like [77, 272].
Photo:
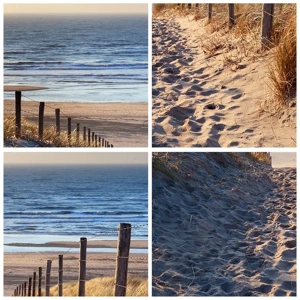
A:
[96, 140]
[41, 120]
[93, 139]
[40, 282]
[57, 120]
[102, 145]
[84, 133]
[22, 289]
[99, 141]
[189, 5]
[209, 12]
[69, 129]
[29, 286]
[82, 267]
[18, 114]
[231, 15]
[25, 289]
[77, 132]
[89, 136]
[267, 24]
[33, 284]
[60, 275]
[16, 291]
[48, 274]
[122, 259]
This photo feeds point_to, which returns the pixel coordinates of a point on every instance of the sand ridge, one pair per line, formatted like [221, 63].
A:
[219, 230]
[198, 101]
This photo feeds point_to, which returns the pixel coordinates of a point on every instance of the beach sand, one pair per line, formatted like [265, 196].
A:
[121, 124]
[223, 226]
[19, 266]
[203, 100]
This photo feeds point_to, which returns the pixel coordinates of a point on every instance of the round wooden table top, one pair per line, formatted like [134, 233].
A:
[22, 88]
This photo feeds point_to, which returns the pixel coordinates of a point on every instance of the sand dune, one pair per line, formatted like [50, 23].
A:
[223, 226]
[201, 101]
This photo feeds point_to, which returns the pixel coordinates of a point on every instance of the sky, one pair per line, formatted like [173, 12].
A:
[75, 8]
[38, 158]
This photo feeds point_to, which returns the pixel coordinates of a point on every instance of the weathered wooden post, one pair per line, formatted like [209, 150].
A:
[77, 132]
[33, 284]
[25, 289]
[231, 20]
[189, 5]
[41, 119]
[82, 267]
[89, 136]
[102, 145]
[18, 114]
[57, 120]
[96, 140]
[60, 275]
[16, 292]
[69, 129]
[22, 289]
[267, 24]
[84, 133]
[209, 12]
[40, 282]
[122, 258]
[29, 286]
[48, 274]
[93, 139]
[99, 141]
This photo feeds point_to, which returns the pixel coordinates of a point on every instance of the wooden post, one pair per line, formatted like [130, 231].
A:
[89, 136]
[48, 274]
[41, 120]
[16, 291]
[231, 15]
[102, 145]
[209, 12]
[57, 120]
[122, 259]
[18, 114]
[96, 140]
[40, 282]
[99, 141]
[69, 129]
[84, 133]
[60, 275]
[25, 289]
[77, 132]
[22, 289]
[111, 145]
[82, 267]
[267, 24]
[33, 284]
[189, 5]
[93, 139]
[29, 286]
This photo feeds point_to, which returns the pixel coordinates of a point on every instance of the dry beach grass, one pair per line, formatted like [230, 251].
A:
[223, 225]
[214, 86]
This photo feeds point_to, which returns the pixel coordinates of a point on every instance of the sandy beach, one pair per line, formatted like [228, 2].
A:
[223, 225]
[122, 124]
[19, 266]
[212, 98]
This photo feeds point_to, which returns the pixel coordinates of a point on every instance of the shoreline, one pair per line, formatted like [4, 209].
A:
[122, 124]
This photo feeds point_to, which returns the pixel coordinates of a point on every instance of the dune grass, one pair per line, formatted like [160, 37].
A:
[103, 287]
[50, 137]
[263, 157]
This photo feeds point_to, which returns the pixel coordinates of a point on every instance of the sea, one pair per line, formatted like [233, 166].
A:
[79, 58]
[44, 203]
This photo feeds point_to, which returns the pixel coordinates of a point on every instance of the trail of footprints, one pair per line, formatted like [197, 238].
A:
[188, 109]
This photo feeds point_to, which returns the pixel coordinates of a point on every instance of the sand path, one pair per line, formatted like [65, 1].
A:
[198, 101]
[220, 231]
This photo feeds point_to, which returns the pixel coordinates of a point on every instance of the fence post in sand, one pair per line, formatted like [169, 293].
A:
[266, 24]
[22, 294]
[209, 12]
[189, 5]
[57, 120]
[93, 139]
[69, 129]
[60, 275]
[41, 119]
[33, 284]
[29, 286]
[82, 267]
[96, 140]
[102, 143]
[20, 289]
[77, 132]
[122, 258]
[89, 136]
[48, 274]
[40, 282]
[231, 15]
[25, 294]
[84, 133]
[16, 292]
[18, 114]
[99, 141]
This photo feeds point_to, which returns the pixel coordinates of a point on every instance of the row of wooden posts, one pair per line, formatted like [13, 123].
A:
[33, 287]
[266, 24]
[89, 137]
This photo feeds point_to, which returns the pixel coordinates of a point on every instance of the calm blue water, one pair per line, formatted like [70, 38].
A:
[53, 203]
[98, 58]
